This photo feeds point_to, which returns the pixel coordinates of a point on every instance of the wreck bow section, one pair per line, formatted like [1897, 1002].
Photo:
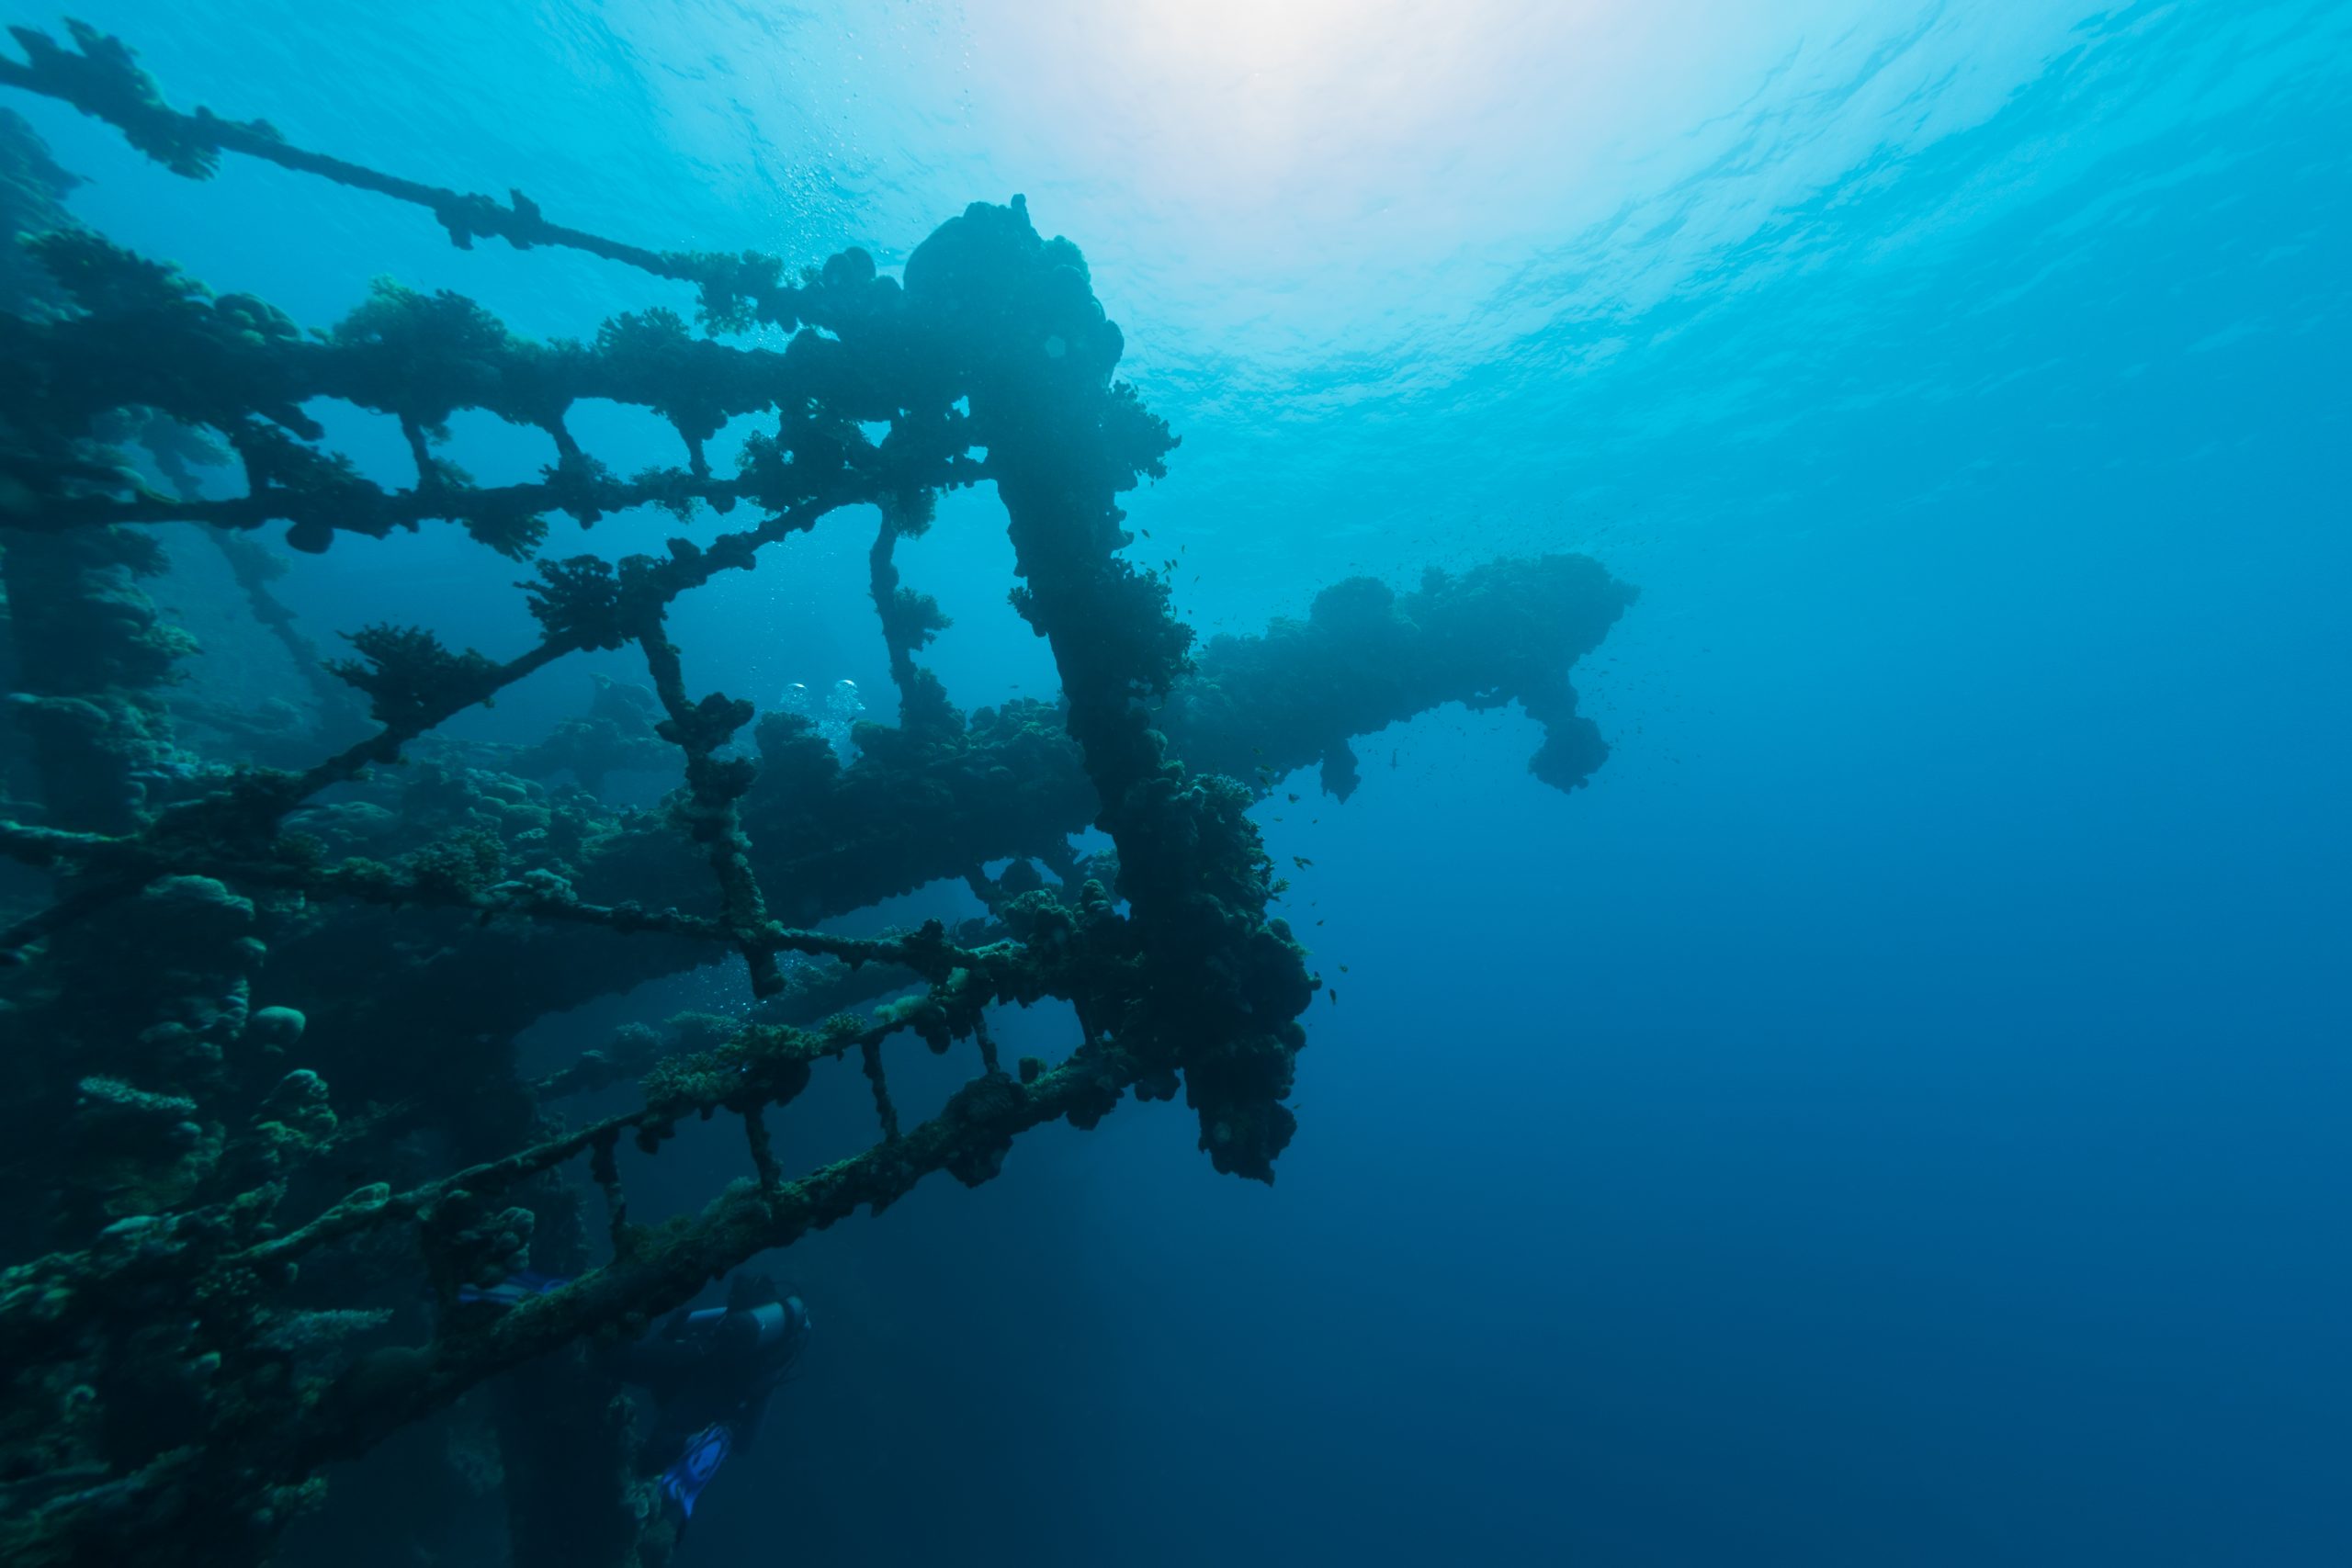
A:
[231, 961]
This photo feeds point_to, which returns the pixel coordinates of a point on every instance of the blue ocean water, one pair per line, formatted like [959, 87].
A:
[1897, 1115]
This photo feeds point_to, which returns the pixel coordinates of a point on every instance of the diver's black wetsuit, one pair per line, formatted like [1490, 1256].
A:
[716, 1368]
[711, 1374]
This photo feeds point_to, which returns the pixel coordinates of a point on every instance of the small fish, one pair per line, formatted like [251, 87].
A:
[1343, 968]
[1294, 800]
[1301, 861]
[1334, 994]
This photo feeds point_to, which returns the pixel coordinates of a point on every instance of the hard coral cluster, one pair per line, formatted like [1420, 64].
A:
[268, 1004]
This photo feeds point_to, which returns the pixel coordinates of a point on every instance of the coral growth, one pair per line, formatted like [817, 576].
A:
[265, 1011]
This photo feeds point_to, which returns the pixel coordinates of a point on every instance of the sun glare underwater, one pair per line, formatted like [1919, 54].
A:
[1175, 782]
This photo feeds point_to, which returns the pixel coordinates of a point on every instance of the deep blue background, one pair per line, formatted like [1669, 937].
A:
[1897, 1115]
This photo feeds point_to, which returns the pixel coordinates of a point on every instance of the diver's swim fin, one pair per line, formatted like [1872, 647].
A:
[705, 1452]
[517, 1287]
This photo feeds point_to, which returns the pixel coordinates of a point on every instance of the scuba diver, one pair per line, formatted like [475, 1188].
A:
[711, 1374]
